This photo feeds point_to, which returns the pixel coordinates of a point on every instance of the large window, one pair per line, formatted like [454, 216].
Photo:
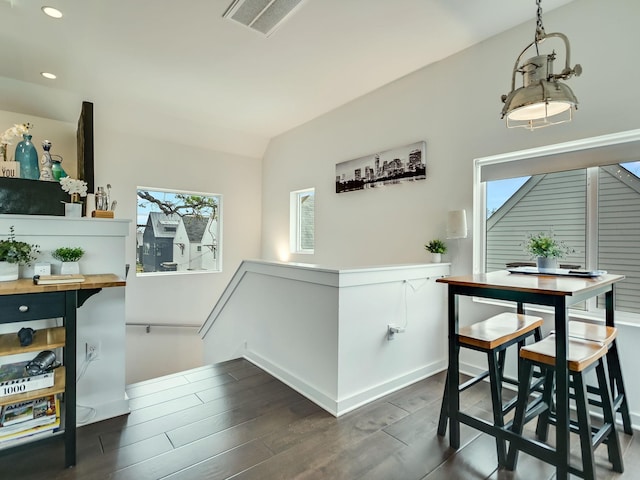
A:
[595, 209]
[302, 221]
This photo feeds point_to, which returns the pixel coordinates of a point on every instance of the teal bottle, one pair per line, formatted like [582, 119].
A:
[27, 155]
[57, 171]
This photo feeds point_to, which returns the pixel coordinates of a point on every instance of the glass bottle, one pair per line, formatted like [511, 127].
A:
[57, 170]
[27, 155]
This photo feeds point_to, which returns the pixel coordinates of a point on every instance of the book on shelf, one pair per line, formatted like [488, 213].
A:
[14, 379]
[29, 414]
[27, 431]
[27, 411]
[56, 279]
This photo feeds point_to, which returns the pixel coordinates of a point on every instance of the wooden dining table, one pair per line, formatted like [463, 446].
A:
[556, 291]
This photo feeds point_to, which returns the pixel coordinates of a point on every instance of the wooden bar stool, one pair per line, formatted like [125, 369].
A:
[607, 336]
[493, 336]
[583, 356]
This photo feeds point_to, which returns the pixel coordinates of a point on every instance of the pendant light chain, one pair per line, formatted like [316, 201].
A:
[540, 33]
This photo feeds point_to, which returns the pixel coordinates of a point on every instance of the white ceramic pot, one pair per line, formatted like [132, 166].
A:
[70, 268]
[9, 271]
[72, 209]
[436, 257]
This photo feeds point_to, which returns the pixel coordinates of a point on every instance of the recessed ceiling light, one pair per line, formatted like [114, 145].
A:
[52, 12]
[48, 75]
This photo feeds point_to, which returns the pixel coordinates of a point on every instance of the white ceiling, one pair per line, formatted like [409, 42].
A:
[178, 67]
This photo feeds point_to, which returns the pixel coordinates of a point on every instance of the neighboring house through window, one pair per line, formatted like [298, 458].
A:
[302, 221]
[595, 210]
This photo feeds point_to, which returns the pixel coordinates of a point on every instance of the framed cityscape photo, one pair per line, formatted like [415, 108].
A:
[397, 165]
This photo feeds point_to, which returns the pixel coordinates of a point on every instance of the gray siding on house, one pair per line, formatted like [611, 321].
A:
[535, 208]
[619, 235]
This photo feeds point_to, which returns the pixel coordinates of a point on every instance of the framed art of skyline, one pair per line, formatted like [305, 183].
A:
[397, 165]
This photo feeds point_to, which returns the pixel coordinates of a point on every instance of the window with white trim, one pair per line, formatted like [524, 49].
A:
[302, 221]
[586, 198]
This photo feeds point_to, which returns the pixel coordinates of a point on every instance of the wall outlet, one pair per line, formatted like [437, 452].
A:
[92, 350]
[392, 330]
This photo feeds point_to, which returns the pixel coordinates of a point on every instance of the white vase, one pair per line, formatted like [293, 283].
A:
[547, 264]
[9, 271]
[72, 209]
[70, 268]
[436, 257]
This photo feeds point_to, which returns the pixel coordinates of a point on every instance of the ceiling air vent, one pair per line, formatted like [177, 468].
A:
[263, 16]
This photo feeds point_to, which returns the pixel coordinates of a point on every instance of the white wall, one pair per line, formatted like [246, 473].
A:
[127, 161]
[455, 106]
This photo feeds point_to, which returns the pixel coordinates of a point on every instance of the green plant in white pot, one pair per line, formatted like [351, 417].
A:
[546, 249]
[437, 248]
[69, 256]
[13, 254]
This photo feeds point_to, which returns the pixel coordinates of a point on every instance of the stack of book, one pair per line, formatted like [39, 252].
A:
[14, 379]
[23, 421]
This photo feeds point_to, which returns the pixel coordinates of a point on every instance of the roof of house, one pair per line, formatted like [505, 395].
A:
[195, 227]
[164, 226]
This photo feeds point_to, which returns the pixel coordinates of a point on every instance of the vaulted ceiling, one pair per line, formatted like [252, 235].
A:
[178, 69]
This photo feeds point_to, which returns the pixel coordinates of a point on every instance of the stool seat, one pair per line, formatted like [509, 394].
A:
[581, 353]
[589, 331]
[498, 330]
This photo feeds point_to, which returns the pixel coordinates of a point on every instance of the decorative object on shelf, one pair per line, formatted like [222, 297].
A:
[12, 254]
[437, 248]
[5, 139]
[542, 100]
[56, 169]
[102, 200]
[11, 169]
[90, 204]
[46, 163]
[546, 249]
[69, 256]
[27, 156]
[75, 188]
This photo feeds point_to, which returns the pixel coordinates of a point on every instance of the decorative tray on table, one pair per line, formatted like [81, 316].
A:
[563, 272]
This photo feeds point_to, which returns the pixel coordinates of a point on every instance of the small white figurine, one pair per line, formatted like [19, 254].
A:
[46, 163]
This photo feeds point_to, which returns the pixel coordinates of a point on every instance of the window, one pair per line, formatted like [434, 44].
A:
[590, 200]
[179, 231]
[302, 221]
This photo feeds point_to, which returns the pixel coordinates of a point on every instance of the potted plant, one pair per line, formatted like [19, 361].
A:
[437, 248]
[69, 256]
[14, 253]
[546, 249]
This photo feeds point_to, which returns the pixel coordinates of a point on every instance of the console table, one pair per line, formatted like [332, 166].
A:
[21, 301]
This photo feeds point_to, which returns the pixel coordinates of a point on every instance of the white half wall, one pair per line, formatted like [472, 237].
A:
[324, 331]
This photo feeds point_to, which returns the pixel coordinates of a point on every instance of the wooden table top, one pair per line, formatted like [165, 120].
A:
[26, 285]
[539, 283]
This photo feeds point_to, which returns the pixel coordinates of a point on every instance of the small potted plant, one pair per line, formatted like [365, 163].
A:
[437, 248]
[69, 256]
[14, 253]
[546, 249]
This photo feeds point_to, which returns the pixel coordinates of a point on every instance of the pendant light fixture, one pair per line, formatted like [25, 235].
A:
[542, 100]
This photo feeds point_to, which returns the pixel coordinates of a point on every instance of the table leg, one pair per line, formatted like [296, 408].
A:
[562, 391]
[454, 369]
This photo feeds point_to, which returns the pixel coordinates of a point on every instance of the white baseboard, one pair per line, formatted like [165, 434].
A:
[337, 407]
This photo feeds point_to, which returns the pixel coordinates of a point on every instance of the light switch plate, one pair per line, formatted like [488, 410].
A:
[42, 269]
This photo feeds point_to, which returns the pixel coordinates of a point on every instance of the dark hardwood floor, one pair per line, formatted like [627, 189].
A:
[233, 420]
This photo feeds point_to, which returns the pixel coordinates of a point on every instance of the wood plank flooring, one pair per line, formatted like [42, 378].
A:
[234, 421]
